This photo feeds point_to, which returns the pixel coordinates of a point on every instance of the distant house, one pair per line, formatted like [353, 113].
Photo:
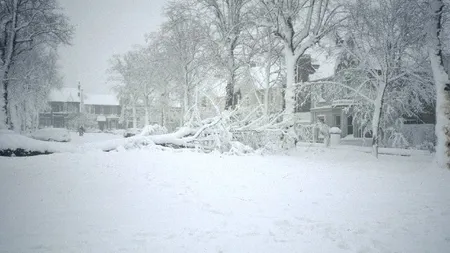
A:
[65, 103]
[317, 65]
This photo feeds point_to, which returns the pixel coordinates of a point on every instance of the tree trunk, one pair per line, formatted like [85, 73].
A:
[289, 95]
[442, 83]
[7, 61]
[231, 101]
[134, 114]
[186, 95]
[376, 119]
[267, 81]
[147, 113]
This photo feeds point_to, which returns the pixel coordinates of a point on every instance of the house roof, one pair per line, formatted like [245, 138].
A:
[326, 61]
[100, 99]
[64, 95]
[71, 95]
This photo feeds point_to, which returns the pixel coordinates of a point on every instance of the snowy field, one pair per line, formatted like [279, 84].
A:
[314, 200]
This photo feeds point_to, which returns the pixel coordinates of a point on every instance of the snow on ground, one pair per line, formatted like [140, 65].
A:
[14, 141]
[52, 134]
[92, 137]
[315, 200]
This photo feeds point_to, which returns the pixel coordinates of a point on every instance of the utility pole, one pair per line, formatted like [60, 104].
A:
[80, 95]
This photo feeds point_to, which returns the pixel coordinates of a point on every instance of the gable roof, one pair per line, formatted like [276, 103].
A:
[101, 99]
[71, 95]
[64, 95]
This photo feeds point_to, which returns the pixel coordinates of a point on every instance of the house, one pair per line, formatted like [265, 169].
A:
[318, 64]
[65, 105]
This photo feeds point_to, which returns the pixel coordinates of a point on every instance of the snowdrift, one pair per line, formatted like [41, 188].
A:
[13, 144]
[52, 134]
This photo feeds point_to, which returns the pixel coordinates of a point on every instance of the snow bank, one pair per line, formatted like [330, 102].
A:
[19, 145]
[52, 134]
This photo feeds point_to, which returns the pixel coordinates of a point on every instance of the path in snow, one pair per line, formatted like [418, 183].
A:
[152, 201]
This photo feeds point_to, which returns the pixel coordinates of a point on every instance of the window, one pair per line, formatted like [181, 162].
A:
[97, 109]
[107, 110]
[57, 107]
[114, 110]
[350, 125]
[337, 121]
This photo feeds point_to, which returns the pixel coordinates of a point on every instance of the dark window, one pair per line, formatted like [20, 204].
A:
[97, 109]
[337, 121]
[350, 125]
[57, 107]
[107, 110]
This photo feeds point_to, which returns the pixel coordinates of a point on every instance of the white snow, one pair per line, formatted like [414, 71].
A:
[101, 99]
[52, 134]
[64, 95]
[88, 142]
[316, 200]
[153, 130]
[335, 130]
[14, 141]
[71, 95]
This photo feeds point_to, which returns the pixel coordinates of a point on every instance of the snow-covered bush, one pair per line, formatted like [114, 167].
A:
[419, 135]
[131, 132]
[397, 140]
[305, 133]
[52, 134]
[335, 130]
[256, 139]
[153, 130]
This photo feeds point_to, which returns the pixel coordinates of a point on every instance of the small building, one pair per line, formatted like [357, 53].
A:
[101, 110]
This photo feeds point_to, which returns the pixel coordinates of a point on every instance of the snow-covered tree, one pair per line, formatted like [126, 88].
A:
[229, 19]
[32, 77]
[382, 64]
[186, 39]
[299, 24]
[122, 73]
[441, 80]
[24, 25]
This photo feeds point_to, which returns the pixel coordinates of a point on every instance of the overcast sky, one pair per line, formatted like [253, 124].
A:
[104, 28]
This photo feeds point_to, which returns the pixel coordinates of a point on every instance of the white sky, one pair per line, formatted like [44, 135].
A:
[104, 28]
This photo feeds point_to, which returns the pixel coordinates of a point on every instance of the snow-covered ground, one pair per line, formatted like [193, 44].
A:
[92, 137]
[314, 200]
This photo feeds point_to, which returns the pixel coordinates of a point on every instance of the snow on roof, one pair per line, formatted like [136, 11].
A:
[64, 95]
[71, 95]
[325, 60]
[101, 99]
